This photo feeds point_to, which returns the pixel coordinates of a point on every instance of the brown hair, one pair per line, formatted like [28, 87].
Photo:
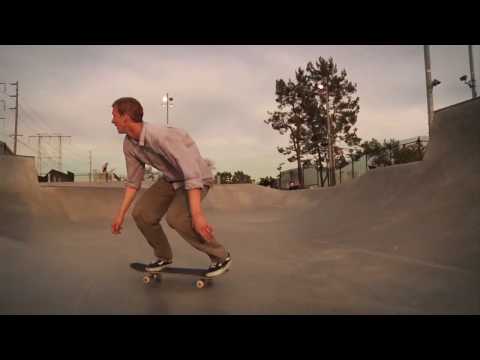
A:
[130, 106]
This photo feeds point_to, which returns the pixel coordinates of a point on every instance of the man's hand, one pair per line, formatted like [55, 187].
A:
[199, 223]
[130, 193]
[117, 225]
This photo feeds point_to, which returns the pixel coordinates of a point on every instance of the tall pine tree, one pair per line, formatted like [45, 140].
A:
[291, 117]
[302, 113]
[336, 93]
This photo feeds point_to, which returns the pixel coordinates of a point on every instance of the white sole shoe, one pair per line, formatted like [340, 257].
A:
[219, 271]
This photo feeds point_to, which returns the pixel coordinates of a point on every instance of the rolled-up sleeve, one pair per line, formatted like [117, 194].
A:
[187, 156]
[135, 168]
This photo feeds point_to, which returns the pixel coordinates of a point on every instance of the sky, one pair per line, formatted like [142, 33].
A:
[221, 96]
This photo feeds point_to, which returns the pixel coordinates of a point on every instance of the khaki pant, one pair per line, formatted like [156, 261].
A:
[159, 199]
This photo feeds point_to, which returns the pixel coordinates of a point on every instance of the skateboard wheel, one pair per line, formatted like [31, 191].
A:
[200, 284]
[146, 279]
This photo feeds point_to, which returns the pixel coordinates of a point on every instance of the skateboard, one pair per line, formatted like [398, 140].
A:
[148, 276]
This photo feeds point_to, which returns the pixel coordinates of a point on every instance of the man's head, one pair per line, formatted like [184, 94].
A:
[124, 111]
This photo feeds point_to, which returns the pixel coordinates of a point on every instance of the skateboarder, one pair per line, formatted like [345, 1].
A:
[186, 180]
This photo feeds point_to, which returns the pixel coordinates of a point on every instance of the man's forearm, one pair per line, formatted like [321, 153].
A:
[194, 198]
[128, 198]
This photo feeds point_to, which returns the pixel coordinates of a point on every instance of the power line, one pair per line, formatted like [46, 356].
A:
[27, 117]
[38, 122]
[71, 153]
[79, 153]
[70, 156]
[43, 124]
[37, 115]
[4, 119]
[26, 125]
[48, 136]
[27, 146]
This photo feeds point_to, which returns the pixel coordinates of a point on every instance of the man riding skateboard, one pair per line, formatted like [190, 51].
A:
[186, 180]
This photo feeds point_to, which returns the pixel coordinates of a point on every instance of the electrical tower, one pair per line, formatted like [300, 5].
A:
[40, 158]
[15, 135]
[3, 110]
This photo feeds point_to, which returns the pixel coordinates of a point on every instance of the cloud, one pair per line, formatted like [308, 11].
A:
[221, 93]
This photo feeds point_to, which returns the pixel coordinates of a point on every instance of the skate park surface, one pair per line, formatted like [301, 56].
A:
[397, 240]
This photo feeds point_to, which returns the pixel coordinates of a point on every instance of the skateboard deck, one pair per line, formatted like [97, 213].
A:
[148, 276]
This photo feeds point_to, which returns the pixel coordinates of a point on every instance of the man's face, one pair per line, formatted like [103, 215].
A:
[120, 121]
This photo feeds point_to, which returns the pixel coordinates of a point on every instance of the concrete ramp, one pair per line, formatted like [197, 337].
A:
[398, 240]
[19, 188]
[428, 210]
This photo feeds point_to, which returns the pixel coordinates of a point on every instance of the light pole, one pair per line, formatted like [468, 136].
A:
[430, 84]
[353, 165]
[472, 72]
[471, 83]
[331, 169]
[279, 168]
[167, 102]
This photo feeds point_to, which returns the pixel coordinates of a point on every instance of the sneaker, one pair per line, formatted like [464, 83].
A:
[218, 268]
[158, 265]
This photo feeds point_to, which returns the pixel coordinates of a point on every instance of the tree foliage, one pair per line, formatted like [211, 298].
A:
[302, 114]
[238, 177]
[391, 152]
[268, 181]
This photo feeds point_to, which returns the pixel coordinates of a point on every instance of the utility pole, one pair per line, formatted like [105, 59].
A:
[4, 111]
[90, 173]
[16, 114]
[430, 84]
[167, 101]
[472, 72]
[330, 164]
[15, 137]
[4, 108]
[60, 151]
[39, 156]
[331, 159]
[16, 120]
[353, 165]
[428, 76]
[167, 109]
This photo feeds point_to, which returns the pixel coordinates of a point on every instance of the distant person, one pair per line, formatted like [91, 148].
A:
[186, 180]
[104, 171]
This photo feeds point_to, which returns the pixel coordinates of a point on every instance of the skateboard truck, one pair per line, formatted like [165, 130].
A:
[200, 283]
[148, 277]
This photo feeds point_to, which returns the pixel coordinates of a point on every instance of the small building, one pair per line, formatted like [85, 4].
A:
[57, 176]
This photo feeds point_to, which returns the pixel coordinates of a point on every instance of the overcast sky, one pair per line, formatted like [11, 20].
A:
[221, 95]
